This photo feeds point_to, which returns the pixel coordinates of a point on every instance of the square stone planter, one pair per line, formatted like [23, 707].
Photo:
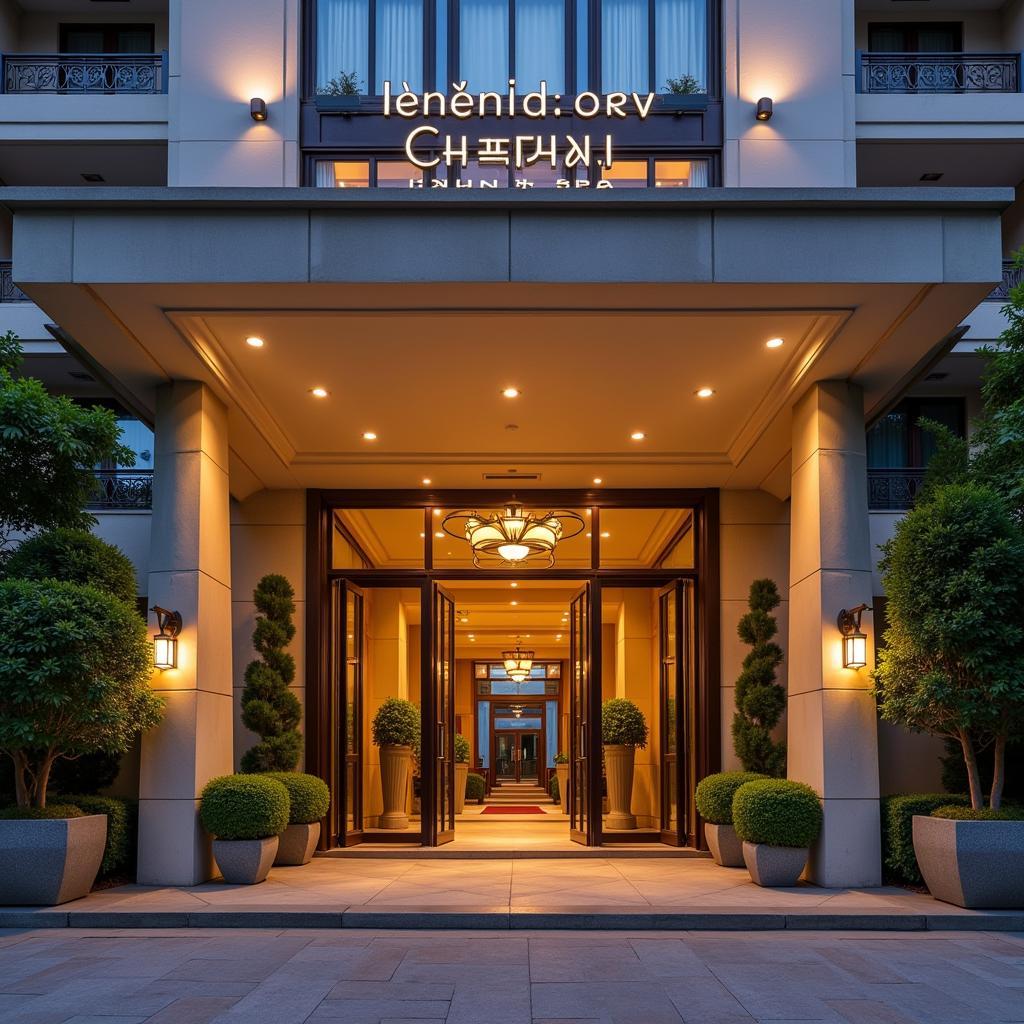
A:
[245, 861]
[725, 846]
[975, 864]
[296, 845]
[48, 862]
[775, 867]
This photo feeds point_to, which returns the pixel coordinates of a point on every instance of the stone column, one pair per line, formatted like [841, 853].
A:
[190, 571]
[832, 722]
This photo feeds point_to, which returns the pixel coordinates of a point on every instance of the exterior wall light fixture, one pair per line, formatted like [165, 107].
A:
[258, 109]
[165, 643]
[855, 642]
[765, 108]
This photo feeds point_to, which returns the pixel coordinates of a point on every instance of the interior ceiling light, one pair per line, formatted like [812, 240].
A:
[705, 392]
[369, 435]
[426, 481]
[518, 663]
[514, 535]
[775, 342]
[253, 342]
[511, 392]
[598, 480]
[319, 392]
[637, 435]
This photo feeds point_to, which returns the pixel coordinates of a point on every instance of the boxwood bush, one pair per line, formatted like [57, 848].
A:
[39, 813]
[623, 724]
[244, 807]
[461, 748]
[554, 789]
[396, 724]
[476, 787]
[777, 812]
[898, 831]
[714, 794]
[958, 813]
[308, 796]
[122, 830]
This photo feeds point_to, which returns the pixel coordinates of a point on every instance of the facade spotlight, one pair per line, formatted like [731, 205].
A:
[855, 642]
[258, 109]
[165, 643]
[765, 108]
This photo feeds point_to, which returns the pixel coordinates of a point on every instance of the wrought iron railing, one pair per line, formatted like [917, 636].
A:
[123, 489]
[894, 490]
[94, 73]
[939, 72]
[1012, 277]
[9, 291]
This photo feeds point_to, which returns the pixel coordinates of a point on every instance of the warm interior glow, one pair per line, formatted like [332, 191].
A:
[775, 342]
[318, 392]
[165, 652]
[626, 174]
[369, 435]
[511, 392]
[426, 481]
[598, 480]
[253, 342]
[351, 173]
[705, 392]
[637, 435]
[672, 173]
[855, 650]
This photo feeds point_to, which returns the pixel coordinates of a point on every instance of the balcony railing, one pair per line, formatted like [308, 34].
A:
[9, 291]
[1012, 277]
[894, 490]
[132, 74]
[939, 72]
[122, 489]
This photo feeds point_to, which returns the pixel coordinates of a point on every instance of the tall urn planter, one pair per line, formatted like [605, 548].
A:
[623, 729]
[461, 771]
[396, 729]
[562, 771]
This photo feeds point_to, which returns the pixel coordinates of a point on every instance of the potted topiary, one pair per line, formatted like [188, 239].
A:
[623, 729]
[245, 814]
[553, 789]
[476, 787]
[308, 800]
[461, 771]
[777, 820]
[339, 93]
[562, 774]
[396, 728]
[714, 804]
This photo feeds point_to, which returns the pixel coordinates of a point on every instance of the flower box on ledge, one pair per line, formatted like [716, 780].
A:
[338, 104]
[681, 103]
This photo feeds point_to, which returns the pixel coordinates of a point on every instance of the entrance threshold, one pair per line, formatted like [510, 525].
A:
[616, 851]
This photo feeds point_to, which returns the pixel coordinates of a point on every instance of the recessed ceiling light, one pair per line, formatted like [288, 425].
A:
[637, 435]
[590, 535]
[511, 392]
[513, 603]
[423, 536]
[437, 511]
[705, 392]
[369, 435]
[606, 534]
[513, 585]
[775, 342]
[597, 480]
[439, 536]
[426, 481]
[254, 342]
[319, 392]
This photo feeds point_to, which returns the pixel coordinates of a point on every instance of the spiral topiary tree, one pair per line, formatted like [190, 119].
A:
[269, 708]
[760, 701]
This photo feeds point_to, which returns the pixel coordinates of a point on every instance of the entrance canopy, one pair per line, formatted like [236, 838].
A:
[414, 311]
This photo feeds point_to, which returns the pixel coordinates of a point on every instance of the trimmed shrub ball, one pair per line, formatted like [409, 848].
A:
[777, 812]
[476, 786]
[714, 795]
[309, 796]
[244, 807]
[40, 813]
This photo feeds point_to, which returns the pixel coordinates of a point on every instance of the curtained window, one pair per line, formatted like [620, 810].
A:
[681, 41]
[483, 45]
[897, 441]
[342, 41]
[540, 45]
[625, 46]
[399, 56]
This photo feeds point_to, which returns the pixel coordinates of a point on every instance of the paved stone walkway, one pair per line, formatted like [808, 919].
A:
[75, 976]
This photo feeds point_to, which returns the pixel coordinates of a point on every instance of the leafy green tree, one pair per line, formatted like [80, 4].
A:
[48, 448]
[760, 701]
[269, 708]
[953, 661]
[75, 666]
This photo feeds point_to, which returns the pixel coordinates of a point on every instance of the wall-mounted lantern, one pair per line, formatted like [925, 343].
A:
[855, 641]
[765, 108]
[165, 643]
[258, 109]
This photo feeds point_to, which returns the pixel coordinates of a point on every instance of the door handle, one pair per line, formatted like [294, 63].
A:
[440, 741]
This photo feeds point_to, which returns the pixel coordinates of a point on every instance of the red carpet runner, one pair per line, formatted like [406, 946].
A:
[502, 809]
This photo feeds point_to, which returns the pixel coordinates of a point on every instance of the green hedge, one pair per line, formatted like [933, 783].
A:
[39, 813]
[244, 807]
[553, 789]
[777, 812]
[958, 813]
[308, 796]
[898, 831]
[122, 830]
[714, 795]
[476, 786]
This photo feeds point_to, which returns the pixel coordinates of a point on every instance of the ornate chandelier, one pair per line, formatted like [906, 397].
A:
[518, 663]
[512, 536]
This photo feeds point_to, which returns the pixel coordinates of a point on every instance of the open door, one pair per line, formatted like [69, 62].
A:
[584, 724]
[676, 697]
[346, 769]
[441, 722]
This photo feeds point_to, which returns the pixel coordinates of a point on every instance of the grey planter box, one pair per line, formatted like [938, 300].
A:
[296, 845]
[775, 867]
[974, 864]
[52, 861]
[725, 846]
[679, 103]
[337, 104]
[245, 861]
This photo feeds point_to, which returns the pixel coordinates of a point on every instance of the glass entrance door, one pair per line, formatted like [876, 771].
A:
[439, 747]
[584, 722]
[516, 756]
[677, 695]
[346, 712]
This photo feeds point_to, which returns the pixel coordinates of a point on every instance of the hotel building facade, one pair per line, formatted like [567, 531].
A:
[688, 271]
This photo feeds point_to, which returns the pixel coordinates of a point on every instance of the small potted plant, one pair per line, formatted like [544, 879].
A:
[714, 804]
[562, 774]
[476, 787]
[245, 814]
[623, 729]
[683, 93]
[461, 771]
[396, 729]
[777, 820]
[339, 93]
[308, 800]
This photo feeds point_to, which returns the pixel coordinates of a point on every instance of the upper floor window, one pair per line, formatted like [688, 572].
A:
[98, 37]
[897, 440]
[916, 37]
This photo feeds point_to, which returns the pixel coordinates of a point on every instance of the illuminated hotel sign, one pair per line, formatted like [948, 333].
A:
[426, 147]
